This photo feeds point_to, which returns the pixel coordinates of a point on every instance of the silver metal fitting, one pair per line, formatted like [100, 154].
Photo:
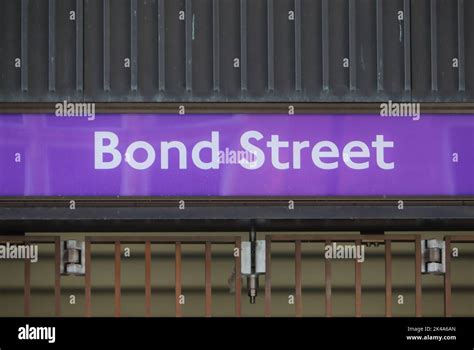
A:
[433, 256]
[73, 258]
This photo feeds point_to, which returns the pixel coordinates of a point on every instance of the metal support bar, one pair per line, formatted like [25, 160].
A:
[461, 48]
[407, 43]
[325, 43]
[178, 309]
[238, 279]
[448, 307]
[434, 45]
[27, 288]
[418, 299]
[24, 45]
[380, 42]
[80, 45]
[147, 279]
[352, 45]
[106, 52]
[87, 281]
[388, 278]
[134, 45]
[268, 276]
[271, 44]
[358, 284]
[298, 280]
[243, 45]
[208, 280]
[52, 45]
[298, 78]
[57, 276]
[328, 284]
[189, 19]
[117, 279]
[161, 45]
[216, 45]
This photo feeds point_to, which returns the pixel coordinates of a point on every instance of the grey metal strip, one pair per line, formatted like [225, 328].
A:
[216, 44]
[352, 46]
[134, 45]
[461, 47]
[243, 45]
[298, 82]
[271, 44]
[24, 45]
[407, 43]
[189, 44]
[434, 45]
[161, 46]
[325, 43]
[106, 53]
[380, 68]
[52, 45]
[79, 45]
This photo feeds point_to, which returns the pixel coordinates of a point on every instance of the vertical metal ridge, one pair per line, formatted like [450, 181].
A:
[461, 48]
[208, 280]
[52, 45]
[57, 276]
[434, 45]
[161, 45]
[358, 285]
[87, 279]
[106, 47]
[177, 279]
[388, 278]
[148, 279]
[418, 291]
[243, 45]
[189, 44]
[24, 45]
[117, 279]
[325, 43]
[298, 83]
[271, 44]
[352, 46]
[380, 68]
[298, 280]
[216, 45]
[27, 288]
[134, 45]
[328, 284]
[79, 45]
[407, 43]
[238, 278]
[448, 308]
[268, 276]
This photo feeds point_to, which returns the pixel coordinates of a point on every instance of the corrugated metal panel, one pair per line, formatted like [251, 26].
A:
[236, 50]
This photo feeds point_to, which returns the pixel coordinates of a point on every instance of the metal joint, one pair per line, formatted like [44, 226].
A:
[73, 258]
[253, 263]
[433, 255]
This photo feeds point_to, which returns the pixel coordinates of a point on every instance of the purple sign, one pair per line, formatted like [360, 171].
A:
[236, 155]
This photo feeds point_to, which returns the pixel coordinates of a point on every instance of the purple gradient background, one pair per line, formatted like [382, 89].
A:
[58, 156]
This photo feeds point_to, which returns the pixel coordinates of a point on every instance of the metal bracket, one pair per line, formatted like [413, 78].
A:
[246, 264]
[433, 256]
[252, 263]
[73, 258]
